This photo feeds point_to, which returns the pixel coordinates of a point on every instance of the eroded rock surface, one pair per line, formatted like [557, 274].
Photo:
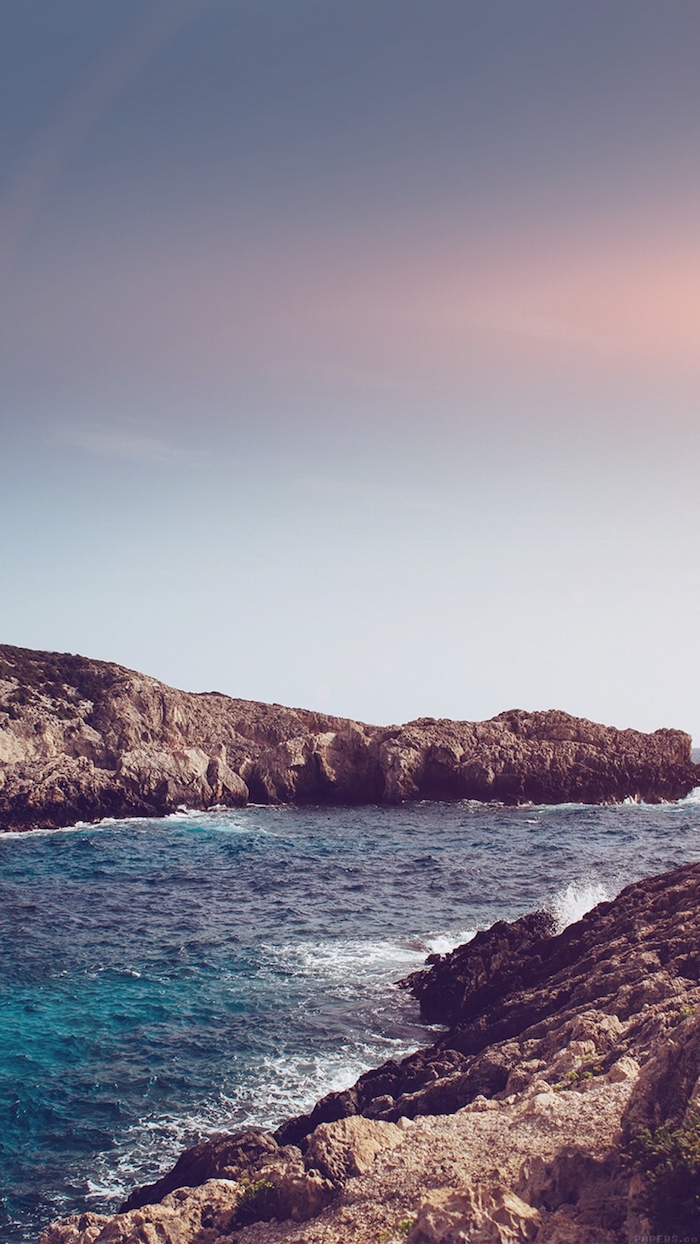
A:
[491, 1215]
[83, 739]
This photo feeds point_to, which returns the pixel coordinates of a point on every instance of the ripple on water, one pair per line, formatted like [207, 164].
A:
[161, 980]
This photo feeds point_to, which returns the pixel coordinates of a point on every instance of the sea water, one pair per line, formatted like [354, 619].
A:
[164, 979]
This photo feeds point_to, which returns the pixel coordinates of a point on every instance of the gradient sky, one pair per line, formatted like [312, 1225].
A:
[351, 351]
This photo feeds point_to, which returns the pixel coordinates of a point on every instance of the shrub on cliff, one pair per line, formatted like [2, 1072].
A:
[260, 1202]
[669, 1160]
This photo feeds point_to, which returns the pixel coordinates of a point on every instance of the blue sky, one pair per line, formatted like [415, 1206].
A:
[350, 351]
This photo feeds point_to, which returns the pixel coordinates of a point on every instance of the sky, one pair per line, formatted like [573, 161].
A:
[350, 351]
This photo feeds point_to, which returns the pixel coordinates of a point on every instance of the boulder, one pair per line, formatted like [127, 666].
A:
[349, 1146]
[592, 1190]
[188, 1216]
[282, 1188]
[75, 1229]
[227, 1156]
[669, 1084]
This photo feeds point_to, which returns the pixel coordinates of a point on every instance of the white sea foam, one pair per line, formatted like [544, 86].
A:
[289, 1084]
[279, 1088]
[570, 904]
[346, 959]
[443, 943]
[693, 798]
[363, 960]
[26, 834]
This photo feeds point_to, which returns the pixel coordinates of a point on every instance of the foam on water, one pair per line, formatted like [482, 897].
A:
[349, 958]
[279, 1088]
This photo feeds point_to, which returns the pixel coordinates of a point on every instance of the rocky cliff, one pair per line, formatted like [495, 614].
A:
[83, 739]
[560, 1106]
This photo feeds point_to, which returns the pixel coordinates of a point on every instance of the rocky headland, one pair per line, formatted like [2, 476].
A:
[560, 1105]
[83, 739]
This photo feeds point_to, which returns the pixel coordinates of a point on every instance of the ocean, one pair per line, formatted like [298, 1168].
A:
[161, 980]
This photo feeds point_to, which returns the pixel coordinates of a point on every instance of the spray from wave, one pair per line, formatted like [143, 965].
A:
[570, 904]
[443, 943]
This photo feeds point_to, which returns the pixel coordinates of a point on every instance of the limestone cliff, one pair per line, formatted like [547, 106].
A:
[83, 739]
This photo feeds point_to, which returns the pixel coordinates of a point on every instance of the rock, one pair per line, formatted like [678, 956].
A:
[190, 1216]
[465, 980]
[669, 1084]
[227, 786]
[349, 1146]
[76, 1229]
[625, 1068]
[481, 1103]
[228, 1156]
[278, 1188]
[285, 1189]
[559, 1229]
[491, 1215]
[591, 1189]
[82, 739]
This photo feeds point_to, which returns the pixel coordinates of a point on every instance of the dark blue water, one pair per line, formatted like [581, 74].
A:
[163, 979]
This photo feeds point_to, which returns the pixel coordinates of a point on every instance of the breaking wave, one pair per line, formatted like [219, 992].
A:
[579, 897]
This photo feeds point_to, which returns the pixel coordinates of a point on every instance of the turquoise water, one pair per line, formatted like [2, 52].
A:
[163, 979]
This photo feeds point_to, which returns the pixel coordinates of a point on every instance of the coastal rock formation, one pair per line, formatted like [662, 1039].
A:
[523, 1004]
[530, 1118]
[82, 739]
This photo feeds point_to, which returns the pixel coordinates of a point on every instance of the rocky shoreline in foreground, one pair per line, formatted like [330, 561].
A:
[81, 740]
[560, 1105]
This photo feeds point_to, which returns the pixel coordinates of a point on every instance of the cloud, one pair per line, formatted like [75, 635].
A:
[121, 444]
[539, 327]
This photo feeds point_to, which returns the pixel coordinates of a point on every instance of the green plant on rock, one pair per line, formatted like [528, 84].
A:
[686, 1011]
[401, 1231]
[669, 1160]
[259, 1202]
[586, 1072]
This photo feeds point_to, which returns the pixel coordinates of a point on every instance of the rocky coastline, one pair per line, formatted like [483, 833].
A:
[81, 740]
[559, 1105]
